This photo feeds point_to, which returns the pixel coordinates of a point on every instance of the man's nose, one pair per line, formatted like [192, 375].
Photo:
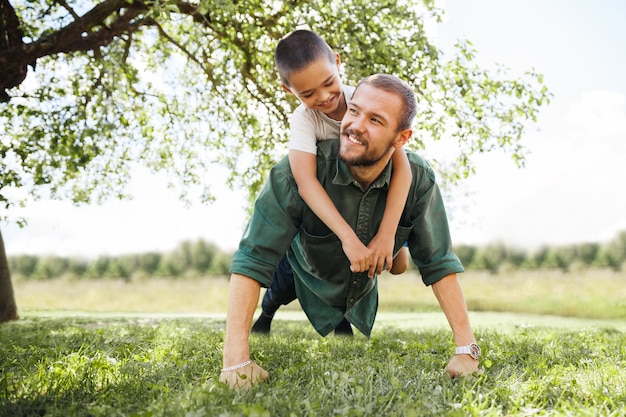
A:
[357, 123]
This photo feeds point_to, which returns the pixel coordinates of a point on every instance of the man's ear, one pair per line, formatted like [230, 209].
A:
[402, 138]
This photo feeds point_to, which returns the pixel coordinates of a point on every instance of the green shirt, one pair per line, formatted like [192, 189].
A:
[326, 288]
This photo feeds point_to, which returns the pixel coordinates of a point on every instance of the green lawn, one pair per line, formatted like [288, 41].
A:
[154, 348]
[143, 365]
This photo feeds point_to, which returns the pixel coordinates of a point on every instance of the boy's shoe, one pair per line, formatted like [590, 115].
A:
[344, 329]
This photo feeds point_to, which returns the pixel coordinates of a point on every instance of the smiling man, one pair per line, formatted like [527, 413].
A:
[355, 171]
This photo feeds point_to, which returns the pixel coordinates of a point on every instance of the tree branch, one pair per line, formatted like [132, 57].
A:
[89, 32]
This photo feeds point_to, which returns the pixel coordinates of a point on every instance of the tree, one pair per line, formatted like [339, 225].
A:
[179, 86]
[559, 257]
[586, 253]
[8, 308]
[465, 253]
[489, 258]
[612, 254]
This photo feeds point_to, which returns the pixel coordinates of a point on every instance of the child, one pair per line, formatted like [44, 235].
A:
[309, 69]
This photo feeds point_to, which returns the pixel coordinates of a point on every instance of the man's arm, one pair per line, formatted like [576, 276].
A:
[452, 301]
[243, 297]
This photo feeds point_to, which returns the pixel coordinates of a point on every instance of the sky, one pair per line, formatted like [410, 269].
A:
[570, 191]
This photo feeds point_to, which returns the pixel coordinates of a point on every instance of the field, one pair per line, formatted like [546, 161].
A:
[553, 344]
[589, 294]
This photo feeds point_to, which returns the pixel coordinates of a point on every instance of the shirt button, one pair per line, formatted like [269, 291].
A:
[355, 282]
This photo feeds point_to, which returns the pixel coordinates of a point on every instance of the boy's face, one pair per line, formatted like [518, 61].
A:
[318, 87]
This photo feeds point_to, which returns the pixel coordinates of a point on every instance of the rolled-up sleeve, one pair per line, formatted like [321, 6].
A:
[429, 241]
[273, 225]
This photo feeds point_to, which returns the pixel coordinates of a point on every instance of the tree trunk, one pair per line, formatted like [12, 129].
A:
[8, 308]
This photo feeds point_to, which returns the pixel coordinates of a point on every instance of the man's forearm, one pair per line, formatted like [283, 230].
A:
[243, 297]
[452, 301]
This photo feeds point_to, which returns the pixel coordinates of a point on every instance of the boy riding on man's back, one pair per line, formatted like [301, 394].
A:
[309, 70]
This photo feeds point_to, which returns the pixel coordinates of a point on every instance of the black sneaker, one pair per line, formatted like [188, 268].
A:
[262, 324]
[344, 329]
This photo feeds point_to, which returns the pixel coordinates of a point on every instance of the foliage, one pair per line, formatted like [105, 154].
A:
[494, 257]
[189, 259]
[152, 367]
[180, 86]
[201, 258]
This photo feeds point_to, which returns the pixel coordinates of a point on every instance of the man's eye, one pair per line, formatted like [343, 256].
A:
[375, 120]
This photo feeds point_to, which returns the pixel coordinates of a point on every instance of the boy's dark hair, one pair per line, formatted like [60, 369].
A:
[395, 85]
[299, 49]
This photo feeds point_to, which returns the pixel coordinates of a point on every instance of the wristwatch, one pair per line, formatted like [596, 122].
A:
[472, 349]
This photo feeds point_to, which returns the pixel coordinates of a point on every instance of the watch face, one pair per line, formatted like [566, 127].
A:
[475, 351]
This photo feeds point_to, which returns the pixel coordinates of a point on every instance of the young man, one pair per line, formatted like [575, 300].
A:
[355, 171]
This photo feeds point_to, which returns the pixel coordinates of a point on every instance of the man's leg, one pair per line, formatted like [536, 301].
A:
[281, 292]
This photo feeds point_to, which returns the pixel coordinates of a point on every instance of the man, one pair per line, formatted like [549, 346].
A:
[355, 171]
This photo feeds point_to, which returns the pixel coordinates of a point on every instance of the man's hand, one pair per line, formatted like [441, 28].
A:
[245, 377]
[461, 365]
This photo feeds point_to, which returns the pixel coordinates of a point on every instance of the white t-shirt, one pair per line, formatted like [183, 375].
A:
[308, 126]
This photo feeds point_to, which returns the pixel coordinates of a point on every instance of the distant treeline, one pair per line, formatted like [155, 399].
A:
[499, 257]
[200, 258]
[190, 259]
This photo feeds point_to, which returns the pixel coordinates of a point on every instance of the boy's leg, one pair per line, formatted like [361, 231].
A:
[401, 261]
[282, 291]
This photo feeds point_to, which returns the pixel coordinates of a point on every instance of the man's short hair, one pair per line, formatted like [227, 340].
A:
[298, 50]
[395, 85]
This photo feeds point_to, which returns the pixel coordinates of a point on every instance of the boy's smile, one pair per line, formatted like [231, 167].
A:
[318, 86]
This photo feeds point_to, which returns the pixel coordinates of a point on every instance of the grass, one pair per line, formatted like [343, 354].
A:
[144, 367]
[154, 348]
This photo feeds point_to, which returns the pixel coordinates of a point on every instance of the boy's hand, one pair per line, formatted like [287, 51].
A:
[358, 254]
[382, 252]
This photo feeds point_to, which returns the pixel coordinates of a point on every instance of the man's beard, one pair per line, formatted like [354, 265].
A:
[364, 160]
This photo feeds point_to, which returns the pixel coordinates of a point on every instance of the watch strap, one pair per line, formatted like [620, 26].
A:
[472, 349]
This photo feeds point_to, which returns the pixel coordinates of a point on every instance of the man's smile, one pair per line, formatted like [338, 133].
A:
[352, 138]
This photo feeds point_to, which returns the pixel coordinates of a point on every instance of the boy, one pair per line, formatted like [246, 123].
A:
[309, 69]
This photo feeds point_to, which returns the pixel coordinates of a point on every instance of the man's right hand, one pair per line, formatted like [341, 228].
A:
[245, 377]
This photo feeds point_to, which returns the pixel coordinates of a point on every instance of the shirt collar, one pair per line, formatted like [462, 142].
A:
[344, 177]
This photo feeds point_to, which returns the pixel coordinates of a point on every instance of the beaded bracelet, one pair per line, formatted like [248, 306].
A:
[235, 367]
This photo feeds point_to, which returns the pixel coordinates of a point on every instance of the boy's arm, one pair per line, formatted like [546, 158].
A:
[304, 168]
[382, 244]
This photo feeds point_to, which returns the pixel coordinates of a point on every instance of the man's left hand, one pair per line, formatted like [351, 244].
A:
[461, 365]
